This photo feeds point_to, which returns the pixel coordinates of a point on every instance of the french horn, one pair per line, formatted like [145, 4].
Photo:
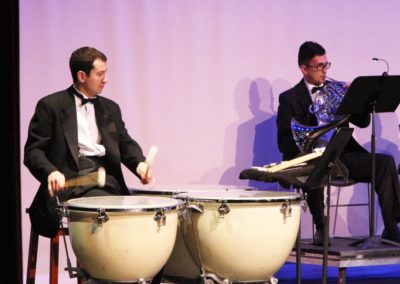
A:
[324, 106]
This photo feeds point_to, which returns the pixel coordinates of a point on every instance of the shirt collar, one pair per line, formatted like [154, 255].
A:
[76, 90]
[310, 86]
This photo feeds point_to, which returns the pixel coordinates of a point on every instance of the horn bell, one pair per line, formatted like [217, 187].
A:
[306, 137]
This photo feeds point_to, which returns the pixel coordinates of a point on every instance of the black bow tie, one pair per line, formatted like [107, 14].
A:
[84, 100]
[316, 89]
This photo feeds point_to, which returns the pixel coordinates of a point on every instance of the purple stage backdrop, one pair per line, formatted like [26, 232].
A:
[201, 79]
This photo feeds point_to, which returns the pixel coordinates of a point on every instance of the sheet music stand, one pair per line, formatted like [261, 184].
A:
[322, 176]
[371, 94]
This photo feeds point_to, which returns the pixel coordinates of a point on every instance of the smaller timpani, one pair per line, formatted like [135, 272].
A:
[182, 266]
[122, 238]
[241, 236]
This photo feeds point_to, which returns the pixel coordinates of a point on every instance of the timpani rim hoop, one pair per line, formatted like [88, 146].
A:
[129, 204]
[240, 196]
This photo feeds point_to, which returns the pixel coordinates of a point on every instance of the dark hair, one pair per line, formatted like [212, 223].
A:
[82, 60]
[308, 50]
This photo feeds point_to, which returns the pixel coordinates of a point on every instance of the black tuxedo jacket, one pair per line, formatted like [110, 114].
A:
[52, 145]
[294, 103]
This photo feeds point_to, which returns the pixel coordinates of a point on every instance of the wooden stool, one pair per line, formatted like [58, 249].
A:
[54, 253]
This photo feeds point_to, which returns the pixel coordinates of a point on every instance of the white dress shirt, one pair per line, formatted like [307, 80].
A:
[89, 137]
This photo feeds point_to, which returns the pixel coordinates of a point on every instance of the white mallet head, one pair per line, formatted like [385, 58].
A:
[101, 177]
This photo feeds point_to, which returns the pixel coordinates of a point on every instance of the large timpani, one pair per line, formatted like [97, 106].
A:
[182, 267]
[241, 236]
[122, 238]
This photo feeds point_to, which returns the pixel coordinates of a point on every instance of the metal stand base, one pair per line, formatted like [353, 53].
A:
[365, 243]
[342, 255]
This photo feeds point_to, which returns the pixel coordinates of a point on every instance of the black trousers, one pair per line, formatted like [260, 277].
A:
[387, 186]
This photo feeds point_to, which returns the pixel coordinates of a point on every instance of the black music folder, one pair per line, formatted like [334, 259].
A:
[319, 176]
[382, 92]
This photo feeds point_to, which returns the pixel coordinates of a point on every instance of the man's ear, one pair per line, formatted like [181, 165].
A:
[303, 69]
[81, 76]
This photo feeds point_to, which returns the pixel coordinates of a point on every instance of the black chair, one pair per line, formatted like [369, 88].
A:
[340, 184]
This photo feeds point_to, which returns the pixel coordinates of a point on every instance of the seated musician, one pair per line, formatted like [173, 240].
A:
[295, 103]
[74, 132]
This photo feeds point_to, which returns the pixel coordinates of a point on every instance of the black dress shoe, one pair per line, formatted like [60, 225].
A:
[318, 238]
[391, 235]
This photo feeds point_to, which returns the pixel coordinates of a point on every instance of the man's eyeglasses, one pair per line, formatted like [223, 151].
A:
[320, 66]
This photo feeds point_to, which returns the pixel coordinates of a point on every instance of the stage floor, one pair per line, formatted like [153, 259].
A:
[377, 263]
[373, 264]
[312, 274]
[344, 254]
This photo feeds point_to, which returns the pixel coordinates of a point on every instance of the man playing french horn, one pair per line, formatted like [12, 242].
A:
[297, 104]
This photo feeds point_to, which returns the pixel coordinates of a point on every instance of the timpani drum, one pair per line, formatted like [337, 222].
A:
[122, 238]
[182, 266]
[241, 236]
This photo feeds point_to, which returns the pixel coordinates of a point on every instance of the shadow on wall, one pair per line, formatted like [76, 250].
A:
[383, 145]
[254, 132]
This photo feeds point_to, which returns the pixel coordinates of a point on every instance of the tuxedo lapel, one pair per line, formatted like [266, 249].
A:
[107, 129]
[70, 124]
[305, 101]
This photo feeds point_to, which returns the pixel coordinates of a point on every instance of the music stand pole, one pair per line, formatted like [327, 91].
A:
[364, 243]
[372, 192]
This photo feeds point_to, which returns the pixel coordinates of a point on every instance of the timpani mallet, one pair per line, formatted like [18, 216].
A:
[94, 178]
[150, 157]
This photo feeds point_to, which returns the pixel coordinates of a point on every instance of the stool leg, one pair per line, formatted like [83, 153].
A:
[54, 251]
[32, 257]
